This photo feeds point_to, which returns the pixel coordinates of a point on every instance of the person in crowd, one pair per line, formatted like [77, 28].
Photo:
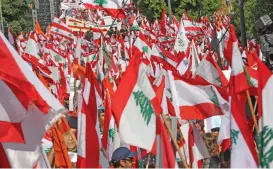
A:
[122, 158]
[213, 149]
[64, 143]
[152, 160]
[215, 131]
[101, 118]
[199, 124]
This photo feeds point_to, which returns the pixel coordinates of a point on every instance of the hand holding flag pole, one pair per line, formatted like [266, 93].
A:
[174, 141]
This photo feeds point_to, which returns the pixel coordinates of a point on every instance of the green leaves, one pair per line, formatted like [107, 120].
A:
[265, 137]
[152, 9]
[234, 136]
[17, 15]
[145, 106]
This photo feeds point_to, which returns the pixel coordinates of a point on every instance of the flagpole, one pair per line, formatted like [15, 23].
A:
[252, 111]
[170, 11]
[174, 141]
[1, 17]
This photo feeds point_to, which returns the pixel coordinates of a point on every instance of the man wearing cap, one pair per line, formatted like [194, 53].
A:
[123, 158]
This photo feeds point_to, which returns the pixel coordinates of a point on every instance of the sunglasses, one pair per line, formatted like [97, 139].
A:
[129, 159]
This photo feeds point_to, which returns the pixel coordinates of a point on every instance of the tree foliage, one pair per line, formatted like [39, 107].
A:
[17, 15]
[194, 8]
[253, 10]
[249, 11]
[152, 9]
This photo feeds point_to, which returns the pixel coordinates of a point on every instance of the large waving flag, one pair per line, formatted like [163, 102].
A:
[112, 7]
[27, 109]
[243, 154]
[134, 106]
[198, 99]
[265, 96]
[88, 144]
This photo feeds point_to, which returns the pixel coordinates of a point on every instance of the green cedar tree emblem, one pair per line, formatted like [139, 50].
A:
[57, 30]
[75, 23]
[135, 27]
[100, 2]
[47, 150]
[99, 77]
[234, 136]
[111, 134]
[249, 80]
[218, 79]
[264, 138]
[214, 98]
[94, 57]
[185, 62]
[146, 108]
[145, 49]
[58, 58]
[171, 98]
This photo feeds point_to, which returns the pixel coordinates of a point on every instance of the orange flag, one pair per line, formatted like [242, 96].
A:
[62, 159]
[38, 28]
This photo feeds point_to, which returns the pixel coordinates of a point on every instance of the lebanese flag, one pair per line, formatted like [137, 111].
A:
[33, 53]
[243, 154]
[58, 27]
[265, 93]
[163, 22]
[197, 148]
[141, 45]
[27, 110]
[43, 160]
[135, 106]
[194, 148]
[109, 127]
[88, 138]
[164, 151]
[133, 23]
[211, 72]
[238, 77]
[160, 55]
[181, 41]
[198, 99]
[112, 7]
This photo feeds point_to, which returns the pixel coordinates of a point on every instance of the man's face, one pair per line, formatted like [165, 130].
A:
[68, 140]
[127, 163]
[101, 120]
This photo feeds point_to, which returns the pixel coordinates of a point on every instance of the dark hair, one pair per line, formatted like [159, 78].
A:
[115, 164]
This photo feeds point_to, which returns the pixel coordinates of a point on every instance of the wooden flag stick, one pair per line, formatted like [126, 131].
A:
[252, 111]
[174, 141]
[255, 105]
[148, 160]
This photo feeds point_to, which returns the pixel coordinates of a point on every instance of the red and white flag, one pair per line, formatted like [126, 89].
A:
[198, 99]
[112, 7]
[135, 106]
[88, 138]
[27, 109]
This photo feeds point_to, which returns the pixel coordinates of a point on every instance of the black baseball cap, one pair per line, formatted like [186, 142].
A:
[122, 153]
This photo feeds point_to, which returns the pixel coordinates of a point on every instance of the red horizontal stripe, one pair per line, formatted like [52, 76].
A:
[199, 111]
[11, 132]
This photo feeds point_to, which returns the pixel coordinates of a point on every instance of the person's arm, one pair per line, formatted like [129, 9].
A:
[50, 156]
